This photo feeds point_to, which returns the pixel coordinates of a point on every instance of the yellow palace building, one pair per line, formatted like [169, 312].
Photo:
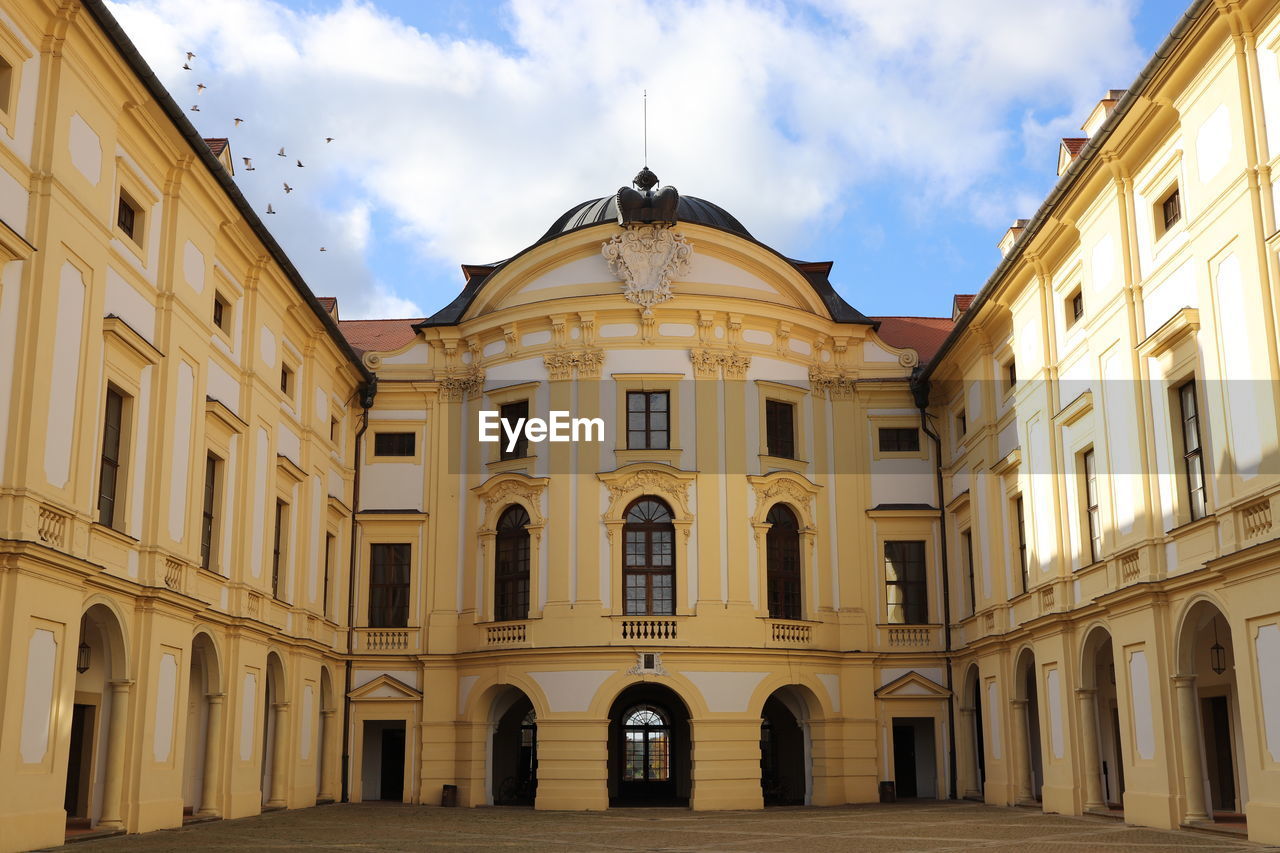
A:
[253, 556]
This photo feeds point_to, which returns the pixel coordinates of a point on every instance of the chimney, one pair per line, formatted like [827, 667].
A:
[1011, 236]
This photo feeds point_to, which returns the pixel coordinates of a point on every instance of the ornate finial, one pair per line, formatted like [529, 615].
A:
[645, 179]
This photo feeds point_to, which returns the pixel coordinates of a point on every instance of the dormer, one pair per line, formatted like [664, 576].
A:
[1011, 236]
[329, 304]
[221, 148]
[959, 304]
[1068, 151]
[1101, 112]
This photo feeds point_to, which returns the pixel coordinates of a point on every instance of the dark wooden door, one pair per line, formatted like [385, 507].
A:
[904, 760]
[393, 764]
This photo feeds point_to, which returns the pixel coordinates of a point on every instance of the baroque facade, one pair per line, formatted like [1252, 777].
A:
[253, 556]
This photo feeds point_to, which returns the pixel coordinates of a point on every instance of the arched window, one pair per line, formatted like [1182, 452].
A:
[782, 548]
[511, 565]
[648, 559]
[646, 755]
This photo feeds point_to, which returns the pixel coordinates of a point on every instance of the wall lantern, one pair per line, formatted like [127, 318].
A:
[1217, 654]
[82, 657]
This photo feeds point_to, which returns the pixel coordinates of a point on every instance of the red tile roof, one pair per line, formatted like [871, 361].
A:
[1075, 145]
[378, 335]
[923, 334]
[963, 301]
[217, 145]
[328, 303]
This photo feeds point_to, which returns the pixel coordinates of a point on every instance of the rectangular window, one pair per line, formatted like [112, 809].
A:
[128, 216]
[278, 554]
[1010, 375]
[962, 423]
[6, 84]
[511, 414]
[780, 429]
[966, 545]
[899, 440]
[1192, 457]
[389, 586]
[1092, 516]
[286, 380]
[208, 515]
[109, 473]
[221, 313]
[1171, 209]
[1075, 307]
[905, 583]
[329, 543]
[1022, 543]
[648, 423]
[333, 429]
[393, 443]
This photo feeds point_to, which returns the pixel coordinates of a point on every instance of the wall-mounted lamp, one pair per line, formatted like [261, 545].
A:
[82, 657]
[1217, 654]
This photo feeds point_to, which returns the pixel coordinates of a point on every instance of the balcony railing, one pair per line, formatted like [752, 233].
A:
[649, 629]
[387, 639]
[506, 635]
[790, 633]
[910, 637]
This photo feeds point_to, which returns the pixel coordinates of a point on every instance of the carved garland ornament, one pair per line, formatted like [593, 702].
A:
[463, 385]
[837, 386]
[706, 363]
[786, 490]
[507, 491]
[585, 363]
[646, 258]
[650, 482]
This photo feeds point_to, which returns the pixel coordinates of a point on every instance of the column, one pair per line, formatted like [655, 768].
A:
[1022, 755]
[1189, 742]
[279, 757]
[212, 756]
[325, 785]
[113, 784]
[1086, 702]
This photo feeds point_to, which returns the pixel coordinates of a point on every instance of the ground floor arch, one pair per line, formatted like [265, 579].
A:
[513, 750]
[973, 774]
[1101, 734]
[205, 713]
[1029, 760]
[1207, 703]
[275, 735]
[99, 723]
[649, 747]
[786, 747]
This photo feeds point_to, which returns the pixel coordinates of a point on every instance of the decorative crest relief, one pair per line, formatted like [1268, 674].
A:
[646, 258]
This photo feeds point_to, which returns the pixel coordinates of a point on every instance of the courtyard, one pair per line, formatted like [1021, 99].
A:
[901, 828]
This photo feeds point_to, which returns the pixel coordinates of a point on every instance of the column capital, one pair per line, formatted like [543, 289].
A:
[280, 706]
[329, 712]
[1086, 692]
[1019, 703]
[215, 697]
[121, 685]
[1183, 680]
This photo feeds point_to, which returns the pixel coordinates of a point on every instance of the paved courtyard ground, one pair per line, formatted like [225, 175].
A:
[901, 828]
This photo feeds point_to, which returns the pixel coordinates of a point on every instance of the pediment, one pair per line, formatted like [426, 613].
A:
[384, 688]
[912, 685]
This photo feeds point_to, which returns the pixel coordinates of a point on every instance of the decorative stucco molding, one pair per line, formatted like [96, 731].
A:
[566, 364]
[646, 258]
[707, 364]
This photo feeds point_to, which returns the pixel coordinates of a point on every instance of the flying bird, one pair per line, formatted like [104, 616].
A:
[190, 56]
[251, 169]
[248, 161]
[288, 189]
[186, 67]
[238, 121]
[200, 87]
[323, 249]
[300, 166]
[270, 209]
[281, 153]
[195, 108]
[328, 139]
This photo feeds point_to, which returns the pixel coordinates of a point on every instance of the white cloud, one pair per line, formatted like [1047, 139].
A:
[470, 149]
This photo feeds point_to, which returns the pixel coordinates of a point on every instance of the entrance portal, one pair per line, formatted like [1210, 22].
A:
[782, 755]
[914, 763]
[648, 748]
[382, 766]
[515, 755]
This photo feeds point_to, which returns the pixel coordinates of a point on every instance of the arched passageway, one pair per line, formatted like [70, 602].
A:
[275, 735]
[786, 754]
[204, 731]
[1029, 767]
[1100, 731]
[513, 756]
[974, 776]
[1207, 704]
[649, 748]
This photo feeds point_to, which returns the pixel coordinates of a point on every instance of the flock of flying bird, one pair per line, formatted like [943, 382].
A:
[248, 161]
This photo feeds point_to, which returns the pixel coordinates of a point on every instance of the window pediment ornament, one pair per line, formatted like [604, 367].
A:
[631, 481]
[646, 258]
[785, 487]
[505, 489]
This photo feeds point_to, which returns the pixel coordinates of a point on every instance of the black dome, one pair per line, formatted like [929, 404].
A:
[601, 210]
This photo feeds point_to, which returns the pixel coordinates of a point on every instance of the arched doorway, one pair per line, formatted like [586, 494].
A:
[1029, 769]
[1207, 702]
[204, 731]
[1099, 708]
[99, 721]
[649, 748]
[975, 777]
[786, 756]
[275, 735]
[324, 762]
[514, 753]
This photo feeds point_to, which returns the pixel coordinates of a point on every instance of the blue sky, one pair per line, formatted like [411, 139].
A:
[896, 139]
